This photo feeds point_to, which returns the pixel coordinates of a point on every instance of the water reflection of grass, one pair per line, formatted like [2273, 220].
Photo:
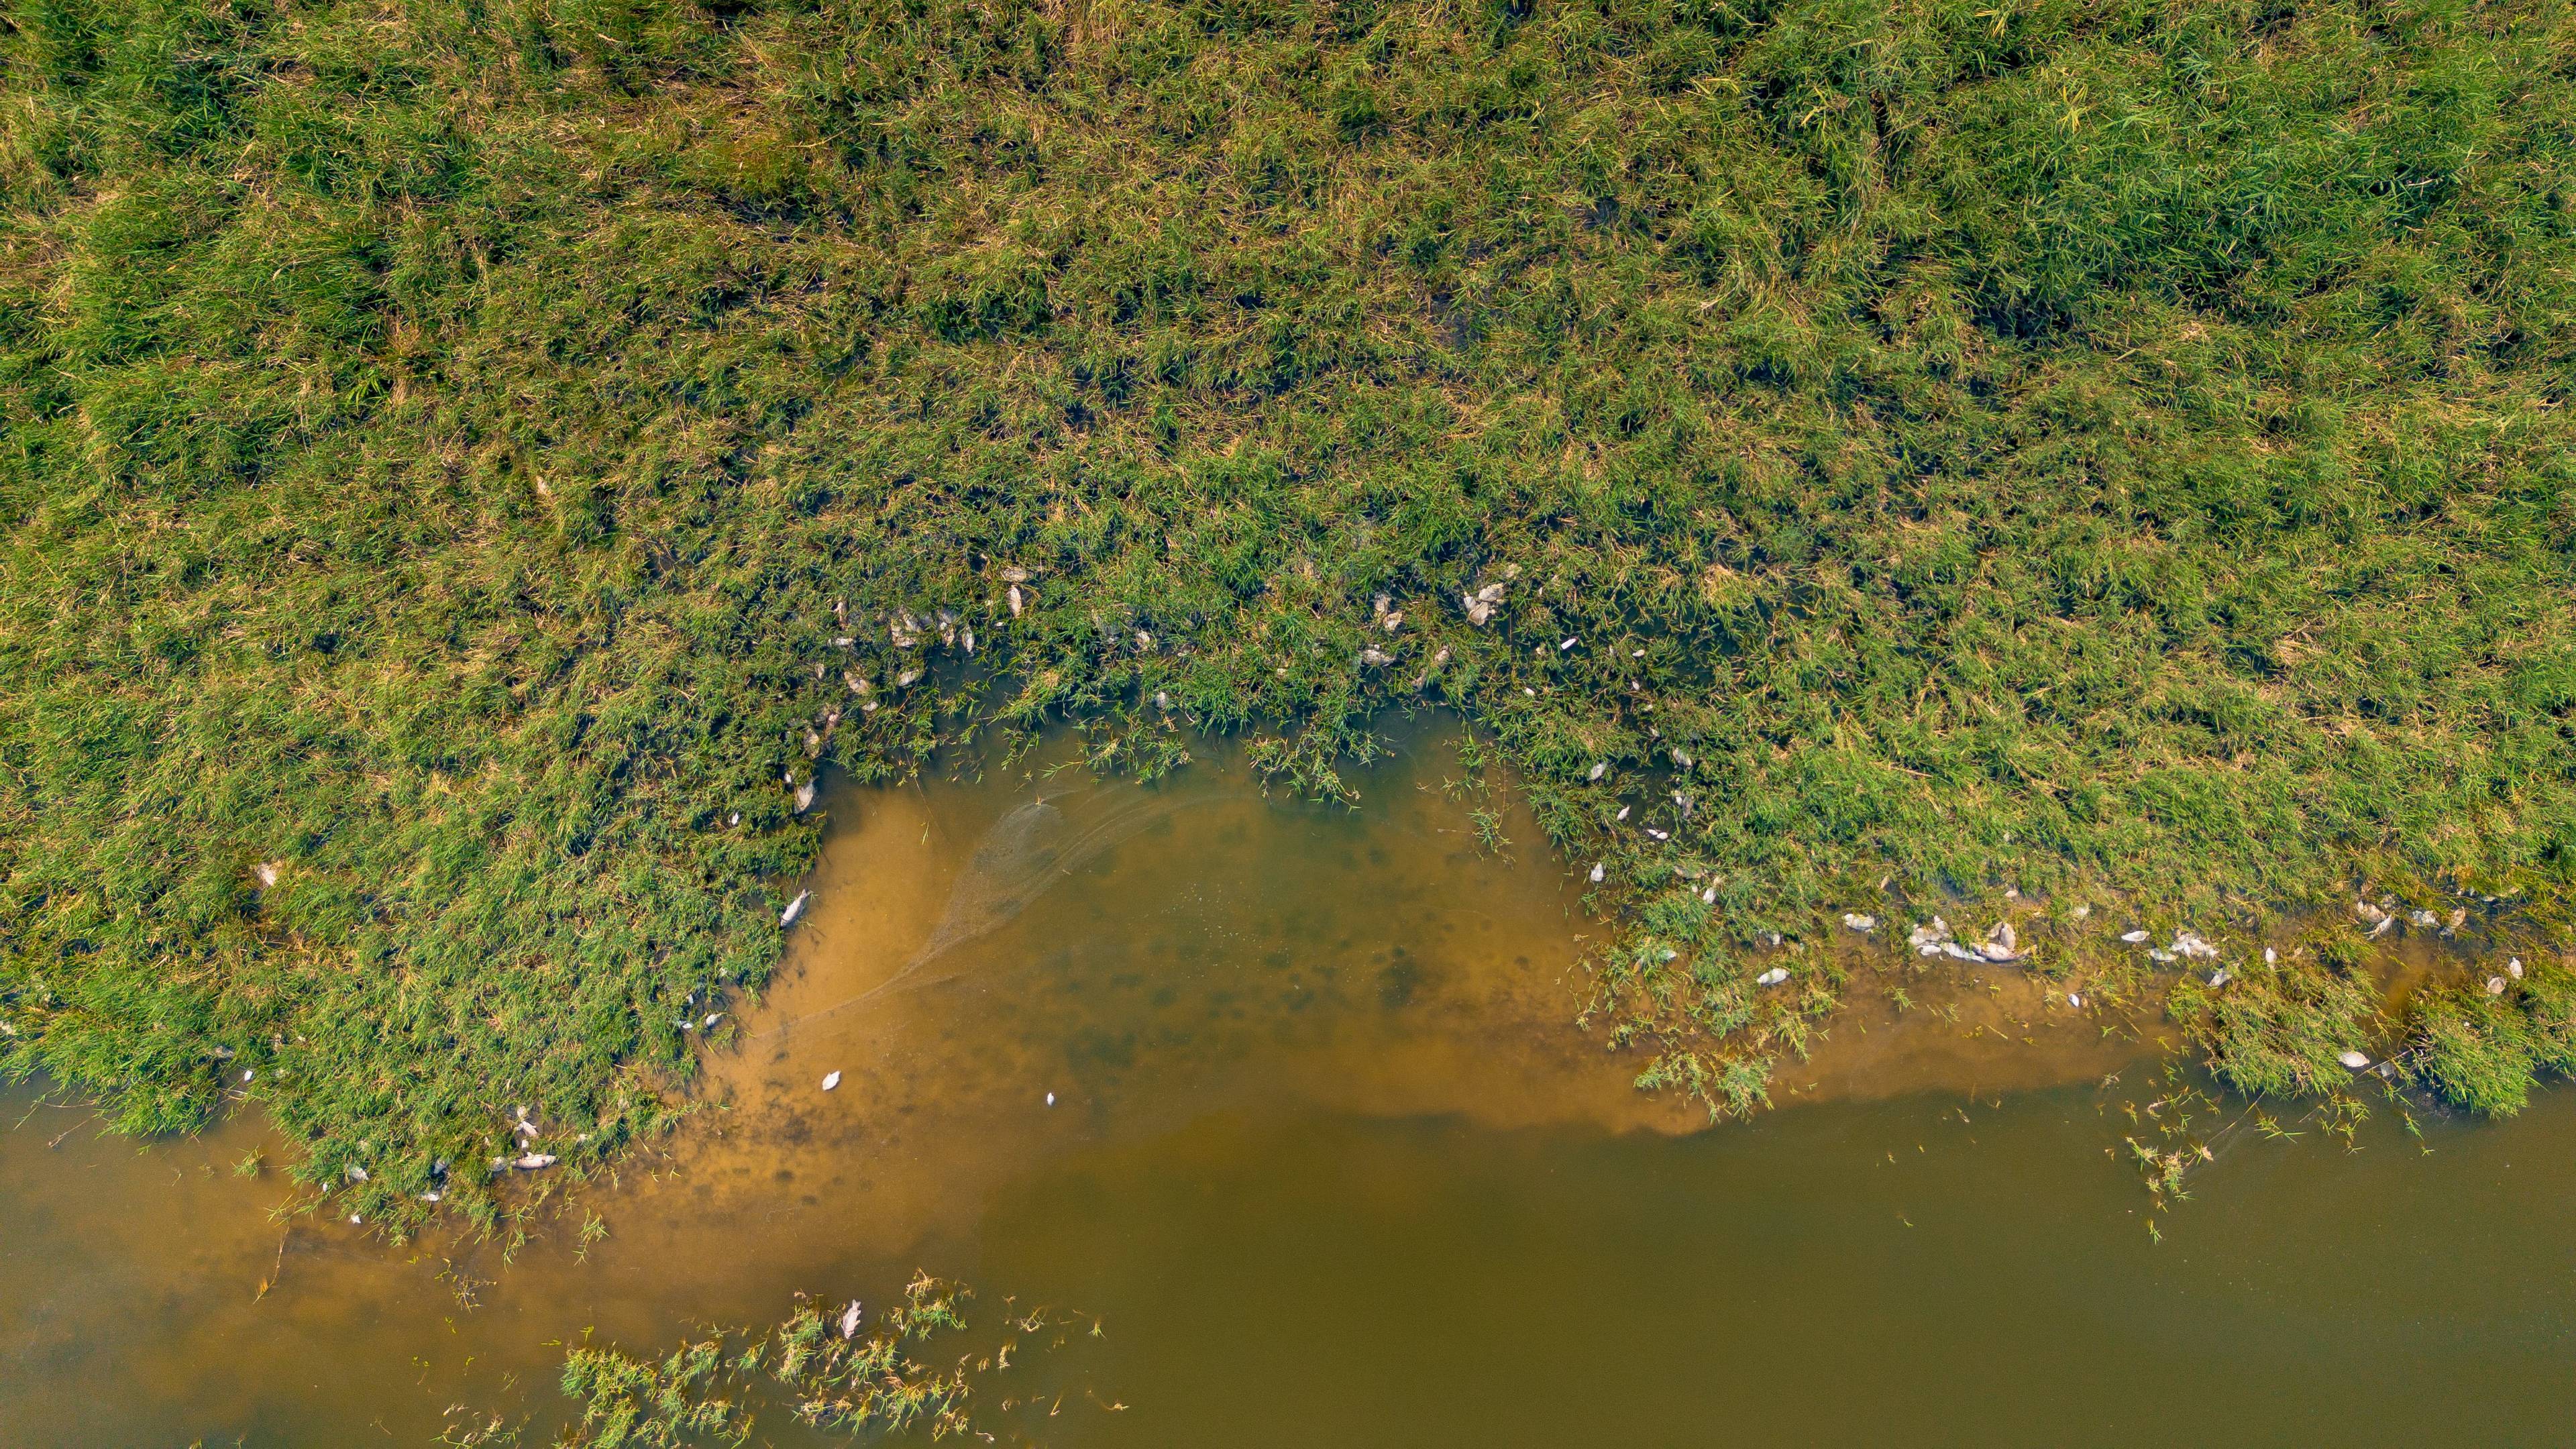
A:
[467, 475]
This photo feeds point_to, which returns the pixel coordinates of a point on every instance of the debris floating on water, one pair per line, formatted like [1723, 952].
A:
[831, 1079]
[794, 909]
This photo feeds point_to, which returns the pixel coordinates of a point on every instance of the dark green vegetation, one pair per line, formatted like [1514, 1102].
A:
[830, 1376]
[2116, 450]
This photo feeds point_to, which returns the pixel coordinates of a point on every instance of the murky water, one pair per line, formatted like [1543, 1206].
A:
[1329, 1166]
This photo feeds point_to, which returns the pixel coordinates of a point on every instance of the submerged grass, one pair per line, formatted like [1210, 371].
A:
[466, 466]
[832, 1370]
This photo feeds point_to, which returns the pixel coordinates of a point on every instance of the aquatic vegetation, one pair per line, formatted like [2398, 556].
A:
[472, 472]
[827, 1365]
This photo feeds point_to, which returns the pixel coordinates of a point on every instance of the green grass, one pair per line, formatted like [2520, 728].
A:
[2116, 450]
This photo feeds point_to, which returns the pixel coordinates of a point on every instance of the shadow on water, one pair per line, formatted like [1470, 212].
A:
[1328, 1162]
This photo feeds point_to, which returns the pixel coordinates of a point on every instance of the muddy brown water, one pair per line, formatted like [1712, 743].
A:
[1327, 1164]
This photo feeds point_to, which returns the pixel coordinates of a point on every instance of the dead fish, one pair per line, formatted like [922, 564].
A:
[804, 797]
[1860, 923]
[857, 683]
[1567, 643]
[1682, 758]
[534, 1160]
[267, 871]
[1658, 834]
[2514, 968]
[2385, 922]
[2134, 938]
[356, 1173]
[2190, 946]
[967, 633]
[2271, 957]
[2218, 977]
[524, 1128]
[1376, 658]
[1478, 613]
[2355, 1061]
[1955, 950]
[1017, 603]
[1014, 574]
[830, 1080]
[1162, 699]
[1392, 622]
[1378, 606]
[846, 642]
[2075, 1001]
[1490, 594]
[1999, 954]
[2003, 935]
[1708, 897]
[794, 909]
[712, 1018]
[734, 819]
[850, 1320]
[1144, 642]
[1772, 977]
[1599, 769]
[1600, 868]
[2495, 986]
[1623, 811]
[2081, 912]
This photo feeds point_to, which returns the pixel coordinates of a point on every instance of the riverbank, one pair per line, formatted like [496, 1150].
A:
[469, 471]
[1323, 1158]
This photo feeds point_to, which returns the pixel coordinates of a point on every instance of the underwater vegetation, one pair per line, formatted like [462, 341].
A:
[468, 468]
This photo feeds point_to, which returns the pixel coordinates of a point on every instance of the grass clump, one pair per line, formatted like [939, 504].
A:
[834, 1371]
[465, 468]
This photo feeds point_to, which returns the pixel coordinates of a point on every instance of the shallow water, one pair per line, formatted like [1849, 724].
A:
[1328, 1164]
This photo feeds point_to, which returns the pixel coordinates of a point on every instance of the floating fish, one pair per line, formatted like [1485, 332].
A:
[1860, 923]
[1600, 868]
[804, 797]
[2355, 1061]
[534, 1160]
[850, 1320]
[2075, 1001]
[794, 909]
[830, 1080]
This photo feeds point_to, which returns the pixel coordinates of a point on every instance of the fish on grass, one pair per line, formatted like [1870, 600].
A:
[1772, 977]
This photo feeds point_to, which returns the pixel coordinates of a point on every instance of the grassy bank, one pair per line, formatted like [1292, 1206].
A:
[467, 463]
